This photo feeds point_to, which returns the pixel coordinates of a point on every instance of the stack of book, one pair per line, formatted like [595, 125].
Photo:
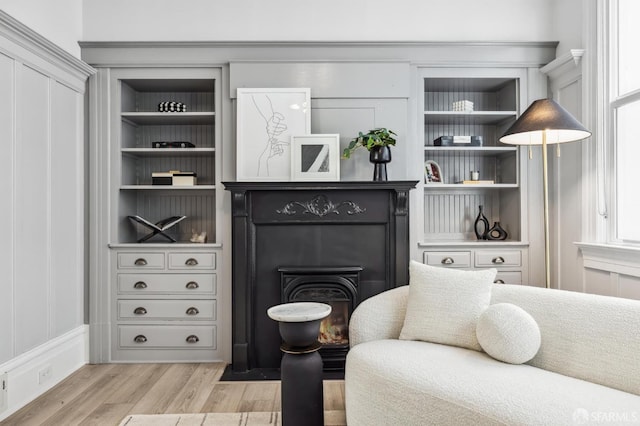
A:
[174, 178]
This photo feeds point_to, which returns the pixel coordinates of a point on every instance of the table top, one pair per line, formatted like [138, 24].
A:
[299, 311]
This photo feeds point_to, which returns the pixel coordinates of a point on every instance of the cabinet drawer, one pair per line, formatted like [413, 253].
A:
[167, 283]
[167, 336]
[449, 259]
[167, 309]
[141, 260]
[192, 260]
[498, 258]
[504, 277]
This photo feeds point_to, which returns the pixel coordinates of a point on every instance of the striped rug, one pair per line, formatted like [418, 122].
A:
[331, 418]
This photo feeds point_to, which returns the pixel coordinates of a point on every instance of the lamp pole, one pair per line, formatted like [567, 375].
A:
[545, 191]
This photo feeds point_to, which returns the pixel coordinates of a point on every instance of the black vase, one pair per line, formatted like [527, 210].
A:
[496, 232]
[380, 156]
[481, 225]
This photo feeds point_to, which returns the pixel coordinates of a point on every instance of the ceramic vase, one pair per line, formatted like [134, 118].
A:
[380, 156]
[496, 232]
[481, 225]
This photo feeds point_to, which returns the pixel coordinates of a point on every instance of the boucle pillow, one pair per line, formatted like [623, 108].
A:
[445, 304]
[508, 333]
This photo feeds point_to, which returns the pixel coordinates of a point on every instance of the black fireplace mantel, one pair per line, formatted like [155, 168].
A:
[306, 225]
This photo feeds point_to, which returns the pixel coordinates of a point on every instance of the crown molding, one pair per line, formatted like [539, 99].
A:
[37, 50]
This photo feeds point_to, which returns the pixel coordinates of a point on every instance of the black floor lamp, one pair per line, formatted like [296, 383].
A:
[545, 122]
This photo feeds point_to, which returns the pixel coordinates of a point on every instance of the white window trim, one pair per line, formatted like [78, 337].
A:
[599, 159]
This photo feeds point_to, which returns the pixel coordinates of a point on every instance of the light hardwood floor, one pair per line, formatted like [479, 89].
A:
[104, 394]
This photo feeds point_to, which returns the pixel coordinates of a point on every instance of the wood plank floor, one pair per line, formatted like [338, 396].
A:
[104, 394]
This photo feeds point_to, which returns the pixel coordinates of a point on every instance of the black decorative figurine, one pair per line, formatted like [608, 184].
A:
[481, 225]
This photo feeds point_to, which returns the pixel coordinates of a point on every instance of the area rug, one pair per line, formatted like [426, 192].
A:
[331, 418]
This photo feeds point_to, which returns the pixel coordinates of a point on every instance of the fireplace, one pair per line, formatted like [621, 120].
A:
[335, 286]
[339, 242]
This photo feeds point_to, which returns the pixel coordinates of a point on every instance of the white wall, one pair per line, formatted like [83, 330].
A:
[59, 21]
[453, 20]
[567, 21]
[42, 333]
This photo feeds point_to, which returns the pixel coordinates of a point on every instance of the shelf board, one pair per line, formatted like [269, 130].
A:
[477, 150]
[169, 152]
[167, 187]
[179, 244]
[436, 186]
[470, 243]
[168, 118]
[471, 117]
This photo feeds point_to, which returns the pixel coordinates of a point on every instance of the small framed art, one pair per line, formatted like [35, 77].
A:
[432, 172]
[315, 157]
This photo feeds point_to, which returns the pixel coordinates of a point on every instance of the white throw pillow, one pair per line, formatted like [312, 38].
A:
[445, 304]
[508, 333]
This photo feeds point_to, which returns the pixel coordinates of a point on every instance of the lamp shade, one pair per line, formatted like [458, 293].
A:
[545, 115]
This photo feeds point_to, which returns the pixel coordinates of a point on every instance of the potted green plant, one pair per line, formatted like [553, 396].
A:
[377, 142]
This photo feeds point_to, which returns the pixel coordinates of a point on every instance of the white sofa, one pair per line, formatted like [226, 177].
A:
[587, 370]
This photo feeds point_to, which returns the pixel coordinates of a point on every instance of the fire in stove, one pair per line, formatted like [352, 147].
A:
[334, 329]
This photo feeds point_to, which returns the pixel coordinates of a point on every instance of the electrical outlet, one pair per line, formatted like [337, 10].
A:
[4, 392]
[44, 374]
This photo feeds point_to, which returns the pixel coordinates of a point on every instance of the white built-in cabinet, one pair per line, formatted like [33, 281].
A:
[407, 87]
[162, 298]
[451, 205]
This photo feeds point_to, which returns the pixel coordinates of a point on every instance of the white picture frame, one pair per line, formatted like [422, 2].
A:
[432, 172]
[266, 119]
[315, 157]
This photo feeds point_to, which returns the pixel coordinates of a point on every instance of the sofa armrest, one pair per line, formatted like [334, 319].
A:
[379, 317]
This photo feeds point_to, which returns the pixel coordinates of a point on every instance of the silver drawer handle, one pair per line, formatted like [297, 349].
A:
[193, 339]
[140, 311]
[192, 311]
[140, 285]
[447, 261]
[498, 282]
[140, 262]
[140, 338]
[497, 260]
[191, 262]
[192, 285]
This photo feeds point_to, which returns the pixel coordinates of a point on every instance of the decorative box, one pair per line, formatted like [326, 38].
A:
[458, 141]
[184, 179]
[162, 178]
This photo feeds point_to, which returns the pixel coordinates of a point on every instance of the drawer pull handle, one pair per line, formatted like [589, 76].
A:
[140, 285]
[193, 339]
[447, 261]
[192, 285]
[140, 262]
[140, 311]
[191, 262]
[192, 311]
[498, 282]
[497, 260]
[140, 338]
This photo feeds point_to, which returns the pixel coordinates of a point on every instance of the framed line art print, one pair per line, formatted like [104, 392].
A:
[266, 119]
[315, 157]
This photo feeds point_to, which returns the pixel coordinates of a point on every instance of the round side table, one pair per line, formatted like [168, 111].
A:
[301, 366]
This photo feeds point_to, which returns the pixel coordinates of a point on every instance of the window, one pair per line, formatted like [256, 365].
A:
[624, 110]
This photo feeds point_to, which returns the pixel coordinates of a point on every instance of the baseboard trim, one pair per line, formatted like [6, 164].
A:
[56, 359]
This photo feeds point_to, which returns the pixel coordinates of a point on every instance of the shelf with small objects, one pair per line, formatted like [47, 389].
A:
[167, 158]
[465, 165]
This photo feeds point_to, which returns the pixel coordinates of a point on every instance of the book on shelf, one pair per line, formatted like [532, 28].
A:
[174, 144]
[476, 182]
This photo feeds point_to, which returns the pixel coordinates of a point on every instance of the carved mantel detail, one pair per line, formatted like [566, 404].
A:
[321, 206]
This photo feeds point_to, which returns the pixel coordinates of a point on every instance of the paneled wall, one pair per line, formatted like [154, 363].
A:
[42, 188]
